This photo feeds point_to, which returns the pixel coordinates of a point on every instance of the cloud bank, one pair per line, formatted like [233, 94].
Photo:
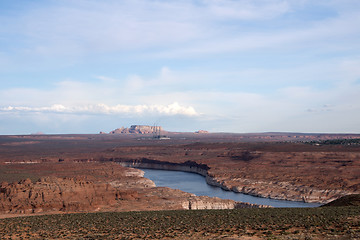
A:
[168, 110]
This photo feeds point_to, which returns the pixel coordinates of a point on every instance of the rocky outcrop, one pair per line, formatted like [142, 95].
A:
[277, 190]
[166, 198]
[138, 129]
[204, 202]
[55, 194]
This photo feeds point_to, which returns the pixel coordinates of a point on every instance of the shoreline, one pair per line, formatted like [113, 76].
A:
[202, 169]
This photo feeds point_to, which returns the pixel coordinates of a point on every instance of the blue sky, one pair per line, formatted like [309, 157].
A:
[223, 66]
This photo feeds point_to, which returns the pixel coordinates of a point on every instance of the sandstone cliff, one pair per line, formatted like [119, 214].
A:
[55, 194]
[277, 190]
[204, 202]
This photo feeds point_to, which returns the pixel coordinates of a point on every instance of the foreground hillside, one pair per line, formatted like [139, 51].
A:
[349, 200]
[314, 223]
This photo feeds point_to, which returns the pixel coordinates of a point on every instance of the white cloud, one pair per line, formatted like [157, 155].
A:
[168, 110]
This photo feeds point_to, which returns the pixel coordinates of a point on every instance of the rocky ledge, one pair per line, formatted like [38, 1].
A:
[277, 190]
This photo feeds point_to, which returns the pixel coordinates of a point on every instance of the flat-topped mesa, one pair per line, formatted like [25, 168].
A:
[138, 129]
[146, 129]
[201, 131]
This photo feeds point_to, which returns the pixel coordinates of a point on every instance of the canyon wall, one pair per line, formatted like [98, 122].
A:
[266, 189]
[188, 166]
[55, 194]
[277, 190]
[129, 191]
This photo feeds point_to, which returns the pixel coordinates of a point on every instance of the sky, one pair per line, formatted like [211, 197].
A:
[240, 66]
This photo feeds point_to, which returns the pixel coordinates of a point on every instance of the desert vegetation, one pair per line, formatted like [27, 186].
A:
[345, 141]
[313, 223]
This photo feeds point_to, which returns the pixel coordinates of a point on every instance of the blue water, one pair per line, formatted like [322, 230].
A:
[195, 183]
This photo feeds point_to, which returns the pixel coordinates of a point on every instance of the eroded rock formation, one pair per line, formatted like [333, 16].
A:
[125, 191]
[55, 194]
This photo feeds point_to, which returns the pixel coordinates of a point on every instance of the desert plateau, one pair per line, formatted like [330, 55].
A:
[72, 174]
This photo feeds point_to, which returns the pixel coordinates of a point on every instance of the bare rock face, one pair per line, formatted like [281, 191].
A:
[277, 190]
[167, 198]
[55, 194]
[204, 202]
[137, 129]
[120, 131]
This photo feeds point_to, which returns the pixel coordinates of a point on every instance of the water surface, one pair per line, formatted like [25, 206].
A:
[195, 183]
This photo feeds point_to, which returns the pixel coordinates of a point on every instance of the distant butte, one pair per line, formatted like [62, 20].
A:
[202, 131]
[144, 129]
[138, 129]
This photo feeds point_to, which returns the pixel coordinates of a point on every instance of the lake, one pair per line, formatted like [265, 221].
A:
[196, 184]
